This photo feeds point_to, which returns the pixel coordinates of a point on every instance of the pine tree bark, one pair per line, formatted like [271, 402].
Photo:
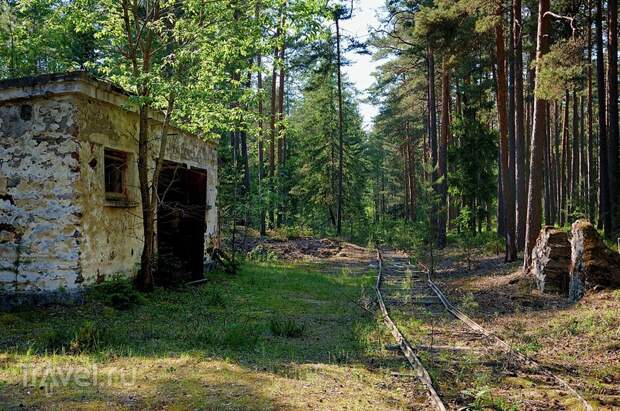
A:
[340, 134]
[272, 140]
[534, 216]
[591, 184]
[604, 198]
[507, 187]
[575, 172]
[548, 176]
[261, 161]
[281, 128]
[432, 130]
[443, 156]
[511, 112]
[412, 180]
[520, 142]
[612, 89]
[564, 183]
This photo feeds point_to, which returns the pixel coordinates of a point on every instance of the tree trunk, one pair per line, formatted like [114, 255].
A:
[144, 280]
[538, 139]
[557, 164]
[340, 134]
[564, 184]
[547, 177]
[612, 89]
[507, 188]
[261, 161]
[405, 155]
[604, 199]
[520, 142]
[442, 156]
[412, 181]
[281, 128]
[272, 142]
[511, 113]
[591, 193]
[432, 132]
[575, 172]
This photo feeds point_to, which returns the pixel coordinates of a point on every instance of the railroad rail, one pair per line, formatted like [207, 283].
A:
[421, 284]
[404, 345]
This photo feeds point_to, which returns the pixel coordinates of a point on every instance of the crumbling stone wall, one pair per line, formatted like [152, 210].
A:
[57, 232]
[40, 230]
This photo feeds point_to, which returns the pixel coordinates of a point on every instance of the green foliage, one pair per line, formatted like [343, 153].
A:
[241, 336]
[55, 339]
[117, 292]
[286, 327]
[483, 399]
[260, 253]
[561, 69]
[472, 174]
[214, 297]
[314, 142]
[87, 337]
[469, 303]
[90, 336]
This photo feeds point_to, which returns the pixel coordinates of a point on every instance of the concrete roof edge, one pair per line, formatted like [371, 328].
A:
[75, 82]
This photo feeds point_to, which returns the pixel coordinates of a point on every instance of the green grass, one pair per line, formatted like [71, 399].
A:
[217, 334]
[229, 309]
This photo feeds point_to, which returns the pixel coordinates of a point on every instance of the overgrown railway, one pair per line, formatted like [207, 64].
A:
[458, 361]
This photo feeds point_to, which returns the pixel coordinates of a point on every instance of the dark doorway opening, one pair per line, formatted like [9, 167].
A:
[181, 223]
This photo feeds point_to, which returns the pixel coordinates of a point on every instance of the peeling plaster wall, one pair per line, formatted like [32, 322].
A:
[57, 232]
[112, 241]
[40, 231]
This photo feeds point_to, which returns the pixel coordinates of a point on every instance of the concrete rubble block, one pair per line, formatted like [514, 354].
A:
[551, 259]
[593, 263]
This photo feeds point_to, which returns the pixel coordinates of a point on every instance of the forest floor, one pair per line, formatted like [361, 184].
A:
[278, 335]
[297, 329]
[580, 342]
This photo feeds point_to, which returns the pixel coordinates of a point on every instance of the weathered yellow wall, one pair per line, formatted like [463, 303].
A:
[39, 218]
[112, 241]
[56, 228]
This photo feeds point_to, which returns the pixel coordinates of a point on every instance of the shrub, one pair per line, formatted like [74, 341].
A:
[9, 320]
[240, 336]
[214, 298]
[484, 400]
[469, 303]
[88, 337]
[54, 339]
[117, 292]
[260, 253]
[286, 328]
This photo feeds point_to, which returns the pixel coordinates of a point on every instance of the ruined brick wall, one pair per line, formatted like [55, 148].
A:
[39, 216]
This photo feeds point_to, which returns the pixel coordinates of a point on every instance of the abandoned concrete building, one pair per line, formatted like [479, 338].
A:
[70, 210]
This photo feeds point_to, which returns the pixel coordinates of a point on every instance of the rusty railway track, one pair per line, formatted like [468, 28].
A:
[425, 295]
